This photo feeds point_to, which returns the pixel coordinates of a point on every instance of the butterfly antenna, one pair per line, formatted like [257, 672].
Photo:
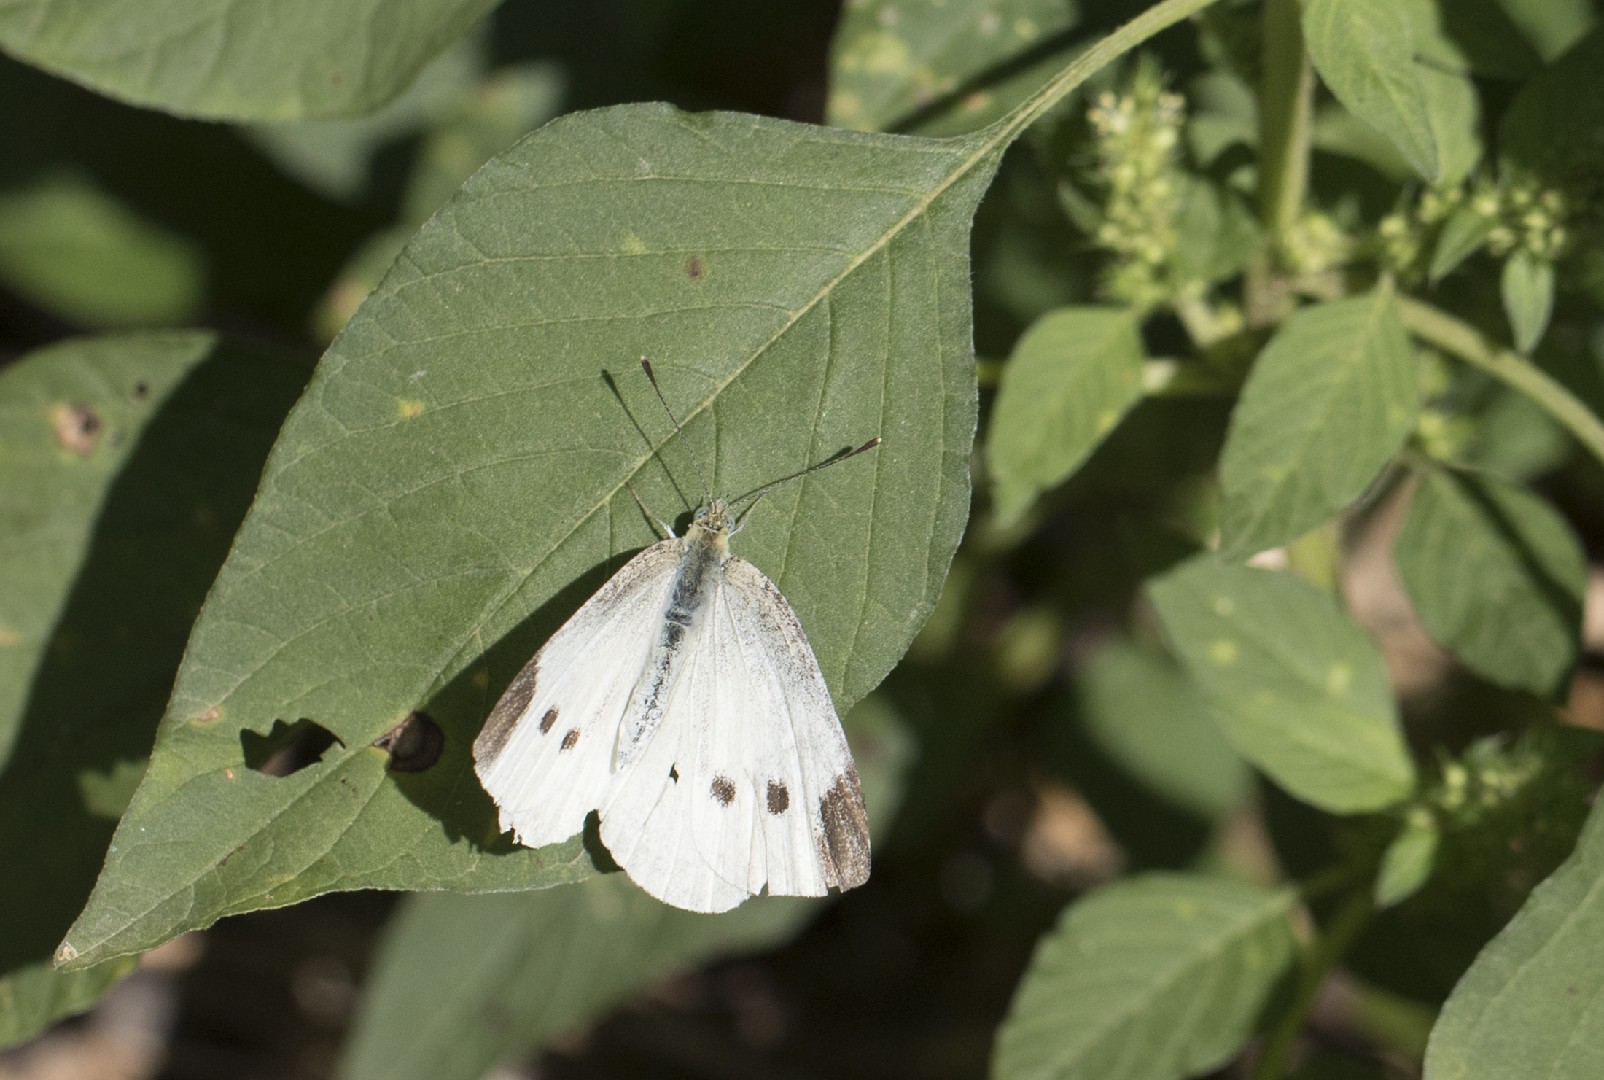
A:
[651, 377]
[834, 459]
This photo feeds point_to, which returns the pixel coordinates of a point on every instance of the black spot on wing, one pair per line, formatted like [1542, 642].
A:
[779, 797]
[549, 719]
[570, 740]
[723, 790]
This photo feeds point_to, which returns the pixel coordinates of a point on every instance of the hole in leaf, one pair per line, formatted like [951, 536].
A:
[414, 744]
[288, 748]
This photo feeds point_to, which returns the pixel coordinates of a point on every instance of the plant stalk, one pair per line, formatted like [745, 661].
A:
[1122, 40]
[1458, 338]
[1316, 963]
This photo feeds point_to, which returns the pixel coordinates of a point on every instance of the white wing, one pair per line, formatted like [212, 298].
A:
[545, 754]
[750, 780]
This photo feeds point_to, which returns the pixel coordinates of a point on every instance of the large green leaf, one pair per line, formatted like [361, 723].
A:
[463, 981]
[1072, 377]
[1299, 689]
[1368, 54]
[239, 59]
[128, 462]
[457, 480]
[1327, 404]
[942, 68]
[1154, 978]
[1496, 576]
[1532, 1005]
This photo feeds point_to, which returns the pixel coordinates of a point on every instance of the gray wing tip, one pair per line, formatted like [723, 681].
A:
[844, 835]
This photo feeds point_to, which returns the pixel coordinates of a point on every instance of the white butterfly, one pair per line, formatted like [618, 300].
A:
[683, 702]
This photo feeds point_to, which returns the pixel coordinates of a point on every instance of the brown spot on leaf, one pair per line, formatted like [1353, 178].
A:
[723, 790]
[77, 428]
[571, 739]
[549, 719]
[779, 797]
[694, 268]
[844, 832]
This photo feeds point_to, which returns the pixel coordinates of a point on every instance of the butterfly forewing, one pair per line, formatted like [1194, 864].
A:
[545, 754]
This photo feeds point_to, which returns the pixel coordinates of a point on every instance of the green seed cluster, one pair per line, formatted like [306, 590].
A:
[1136, 169]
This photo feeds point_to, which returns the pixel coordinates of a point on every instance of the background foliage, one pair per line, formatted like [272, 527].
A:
[1209, 626]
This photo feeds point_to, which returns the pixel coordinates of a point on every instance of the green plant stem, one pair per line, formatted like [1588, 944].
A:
[1317, 961]
[1286, 109]
[1460, 339]
[1088, 63]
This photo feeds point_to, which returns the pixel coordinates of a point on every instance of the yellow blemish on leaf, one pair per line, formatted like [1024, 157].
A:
[1339, 679]
[634, 245]
[1223, 606]
[481, 678]
[1026, 29]
[407, 408]
[8, 637]
[878, 54]
[846, 103]
[977, 101]
[1223, 652]
[1107, 419]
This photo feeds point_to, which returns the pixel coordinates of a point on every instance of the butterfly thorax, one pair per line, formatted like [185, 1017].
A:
[706, 550]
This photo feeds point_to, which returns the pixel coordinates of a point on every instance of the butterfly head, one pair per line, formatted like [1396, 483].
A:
[714, 524]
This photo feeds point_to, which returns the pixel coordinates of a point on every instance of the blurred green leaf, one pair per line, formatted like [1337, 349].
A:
[1532, 1005]
[464, 981]
[1477, 35]
[333, 157]
[239, 59]
[1216, 234]
[1496, 576]
[967, 62]
[1465, 231]
[486, 119]
[1407, 863]
[74, 250]
[1527, 286]
[128, 462]
[1299, 689]
[1071, 379]
[1366, 53]
[454, 482]
[1328, 402]
[1551, 128]
[1146, 715]
[1156, 977]
[1552, 26]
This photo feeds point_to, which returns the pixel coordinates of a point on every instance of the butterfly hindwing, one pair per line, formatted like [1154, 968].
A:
[545, 754]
